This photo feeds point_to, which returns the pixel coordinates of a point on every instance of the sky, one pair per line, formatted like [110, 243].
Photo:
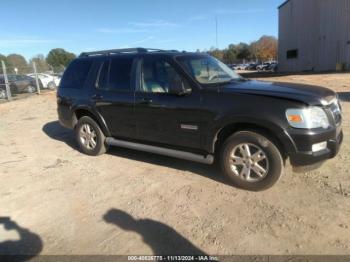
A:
[35, 27]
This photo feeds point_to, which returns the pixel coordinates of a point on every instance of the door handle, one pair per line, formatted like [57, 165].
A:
[146, 101]
[97, 97]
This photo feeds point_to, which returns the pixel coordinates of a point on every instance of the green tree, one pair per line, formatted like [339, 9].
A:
[19, 62]
[230, 54]
[3, 58]
[40, 62]
[243, 51]
[263, 49]
[236, 53]
[217, 53]
[59, 58]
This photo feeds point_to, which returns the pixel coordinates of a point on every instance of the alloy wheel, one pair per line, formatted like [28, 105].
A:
[88, 136]
[31, 89]
[249, 162]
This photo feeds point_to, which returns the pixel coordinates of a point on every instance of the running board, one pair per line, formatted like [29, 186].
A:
[209, 159]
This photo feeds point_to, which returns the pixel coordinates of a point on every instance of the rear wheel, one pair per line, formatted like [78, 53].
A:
[51, 85]
[251, 161]
[90, 137]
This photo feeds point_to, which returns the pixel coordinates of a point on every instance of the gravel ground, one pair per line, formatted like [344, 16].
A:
[128, 202]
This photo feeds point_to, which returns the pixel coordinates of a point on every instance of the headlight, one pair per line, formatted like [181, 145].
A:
[311, 117]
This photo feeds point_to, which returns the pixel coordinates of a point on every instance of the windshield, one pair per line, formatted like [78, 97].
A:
[208, 70]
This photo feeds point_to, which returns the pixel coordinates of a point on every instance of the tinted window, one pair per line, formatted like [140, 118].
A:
[120, 73]
[76, 74]
[11, 78]
[158, 76]
[28, 78]
[20, 77]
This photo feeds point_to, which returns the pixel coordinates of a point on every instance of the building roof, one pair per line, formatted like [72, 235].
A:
[284, 3]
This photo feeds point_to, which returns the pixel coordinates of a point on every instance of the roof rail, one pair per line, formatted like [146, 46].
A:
[123, 51]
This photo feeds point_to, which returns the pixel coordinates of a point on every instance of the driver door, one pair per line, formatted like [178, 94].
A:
[162, 114]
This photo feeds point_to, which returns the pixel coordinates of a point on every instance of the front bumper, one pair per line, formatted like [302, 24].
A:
[304, 156]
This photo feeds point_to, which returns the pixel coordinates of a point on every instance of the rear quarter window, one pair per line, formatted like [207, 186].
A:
[76, 74]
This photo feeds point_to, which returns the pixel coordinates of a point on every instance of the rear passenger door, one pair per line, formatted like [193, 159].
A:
[114, 95]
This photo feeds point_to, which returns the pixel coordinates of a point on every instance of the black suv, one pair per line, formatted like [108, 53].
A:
[192, 106]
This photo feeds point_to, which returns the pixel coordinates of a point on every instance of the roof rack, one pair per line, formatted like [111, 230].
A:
[124, 51]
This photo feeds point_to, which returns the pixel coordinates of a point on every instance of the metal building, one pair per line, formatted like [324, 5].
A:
[314, 35]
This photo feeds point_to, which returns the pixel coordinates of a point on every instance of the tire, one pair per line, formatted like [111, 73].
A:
[31, 89]
[51, 85]
[90, 137]
[242, 170]
[2, 94]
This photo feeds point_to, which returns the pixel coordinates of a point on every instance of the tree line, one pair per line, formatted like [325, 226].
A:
[262, 50]
[56, 61]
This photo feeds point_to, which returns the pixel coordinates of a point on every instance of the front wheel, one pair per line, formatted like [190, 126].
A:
[31, 89]
[251, 161]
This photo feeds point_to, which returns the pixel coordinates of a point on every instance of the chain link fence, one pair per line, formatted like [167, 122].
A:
[20, 82]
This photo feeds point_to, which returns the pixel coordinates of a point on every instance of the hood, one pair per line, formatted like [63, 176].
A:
[311, 95]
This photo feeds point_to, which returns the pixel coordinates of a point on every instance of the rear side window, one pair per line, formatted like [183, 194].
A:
[120, 73]
[76, 74]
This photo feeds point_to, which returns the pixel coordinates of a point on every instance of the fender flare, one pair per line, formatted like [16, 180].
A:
[97, 116]
[278, 132]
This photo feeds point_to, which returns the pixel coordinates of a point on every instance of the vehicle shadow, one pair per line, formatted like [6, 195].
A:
[344, 96]
[28, 246]
[208, 171]
[161, 238]
[55, 131]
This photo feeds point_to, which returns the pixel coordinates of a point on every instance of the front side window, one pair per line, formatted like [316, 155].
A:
[158, 76]
[207, 69]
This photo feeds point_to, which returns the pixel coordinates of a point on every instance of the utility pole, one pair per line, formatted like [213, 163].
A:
[216, 30]
[8, 90]
[36, 78]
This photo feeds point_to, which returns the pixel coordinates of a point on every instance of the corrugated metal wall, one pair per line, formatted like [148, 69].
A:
[319, 29]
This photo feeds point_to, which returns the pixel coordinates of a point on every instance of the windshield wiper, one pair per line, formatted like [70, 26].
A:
[225, 82]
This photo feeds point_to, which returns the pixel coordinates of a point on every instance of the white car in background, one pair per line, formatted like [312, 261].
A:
[49, 81]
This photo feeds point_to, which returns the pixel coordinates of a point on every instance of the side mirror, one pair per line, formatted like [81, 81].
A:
[179, 87]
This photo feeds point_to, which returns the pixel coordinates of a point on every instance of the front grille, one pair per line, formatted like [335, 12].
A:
[336, 112]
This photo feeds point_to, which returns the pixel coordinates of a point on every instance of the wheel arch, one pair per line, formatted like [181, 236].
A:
[79, 112]
[269, 131]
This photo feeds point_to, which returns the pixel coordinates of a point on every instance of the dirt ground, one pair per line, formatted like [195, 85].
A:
[128, 202]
